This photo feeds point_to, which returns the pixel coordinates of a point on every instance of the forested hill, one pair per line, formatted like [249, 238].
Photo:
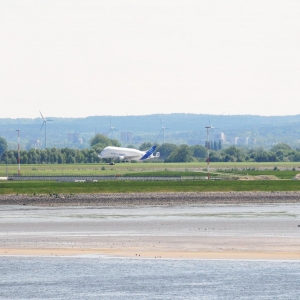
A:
[181, 128]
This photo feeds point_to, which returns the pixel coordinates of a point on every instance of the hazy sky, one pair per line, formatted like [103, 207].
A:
[80, 58]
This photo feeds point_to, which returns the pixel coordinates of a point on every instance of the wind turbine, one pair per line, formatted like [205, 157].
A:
[163, 128]
[111, 129]
[212, 129]
[45, 123]
[208, 129]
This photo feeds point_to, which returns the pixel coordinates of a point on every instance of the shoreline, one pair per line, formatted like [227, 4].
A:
[156, 199]
[258, 225]
[142, 254]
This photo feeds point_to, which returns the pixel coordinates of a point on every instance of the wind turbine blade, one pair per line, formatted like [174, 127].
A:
[42, 116]
[42, 125]
[160, 133]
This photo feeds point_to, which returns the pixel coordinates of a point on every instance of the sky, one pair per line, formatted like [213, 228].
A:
[71, 58]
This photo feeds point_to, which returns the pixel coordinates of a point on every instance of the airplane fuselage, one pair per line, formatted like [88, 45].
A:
[127, 153]
[117, 152]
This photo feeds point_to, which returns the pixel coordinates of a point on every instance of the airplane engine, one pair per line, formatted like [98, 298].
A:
[121, 158]
[157, 154]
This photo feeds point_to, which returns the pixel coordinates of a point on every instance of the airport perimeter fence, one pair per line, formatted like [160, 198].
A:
[107, 178]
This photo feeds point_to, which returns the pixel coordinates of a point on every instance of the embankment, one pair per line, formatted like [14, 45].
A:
[135, 199]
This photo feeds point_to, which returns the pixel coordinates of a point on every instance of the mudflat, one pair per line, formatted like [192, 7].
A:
[177, 229]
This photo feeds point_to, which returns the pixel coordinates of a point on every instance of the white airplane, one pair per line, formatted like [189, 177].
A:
[128, 153]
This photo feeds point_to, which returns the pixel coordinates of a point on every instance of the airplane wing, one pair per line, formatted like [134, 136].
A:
[129, 157]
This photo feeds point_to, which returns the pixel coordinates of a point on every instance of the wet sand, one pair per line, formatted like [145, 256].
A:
[138, 253]
[190, 231]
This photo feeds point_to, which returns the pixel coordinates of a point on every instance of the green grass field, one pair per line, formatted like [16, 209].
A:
[280, 174]
[167, 173]
[285, 172]
[137, 168]
[116, 186]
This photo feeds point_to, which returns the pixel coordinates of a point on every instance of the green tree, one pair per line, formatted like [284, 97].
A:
[181, 154]
[262, 156]
[166, 149]
[11, 157]
[53, 157]
[60, 158]
[235, 153]
[199, 151]
[145, 146]
[272, 156]
[280, 155]
[33, 156]
[281, 146]
[70, 159]
[100, 141]
[295, 156]
[228, 158]
[23, 157]
[215, 156]
[93, 156]
[44, 156]
[79, 157]
[3, 145]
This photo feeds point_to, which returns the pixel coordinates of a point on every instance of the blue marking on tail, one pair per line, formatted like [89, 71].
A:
[148, 153]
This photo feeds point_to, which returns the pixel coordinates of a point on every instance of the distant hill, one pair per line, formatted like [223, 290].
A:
[183, 128]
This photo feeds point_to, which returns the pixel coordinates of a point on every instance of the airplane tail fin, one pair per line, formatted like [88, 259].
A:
[148, 153]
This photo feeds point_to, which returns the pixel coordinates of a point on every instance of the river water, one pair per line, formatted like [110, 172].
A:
[212, 227]
[115, 278]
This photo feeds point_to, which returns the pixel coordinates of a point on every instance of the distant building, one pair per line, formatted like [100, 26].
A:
[126, 136]
[73, 137]
[137, 139]
[234, 140]
[220, 137]
[252, 141]
[243, 141]
[36, 144]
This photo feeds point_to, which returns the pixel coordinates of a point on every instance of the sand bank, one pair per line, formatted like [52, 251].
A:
[135, 199]
[140, 253]
[180, 228]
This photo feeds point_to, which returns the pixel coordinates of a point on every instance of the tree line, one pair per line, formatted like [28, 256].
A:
[168, 153]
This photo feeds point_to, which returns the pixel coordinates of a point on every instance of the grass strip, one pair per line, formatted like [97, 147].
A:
[166, 174]
[279, 174]
[122, 168]
[51, 187]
